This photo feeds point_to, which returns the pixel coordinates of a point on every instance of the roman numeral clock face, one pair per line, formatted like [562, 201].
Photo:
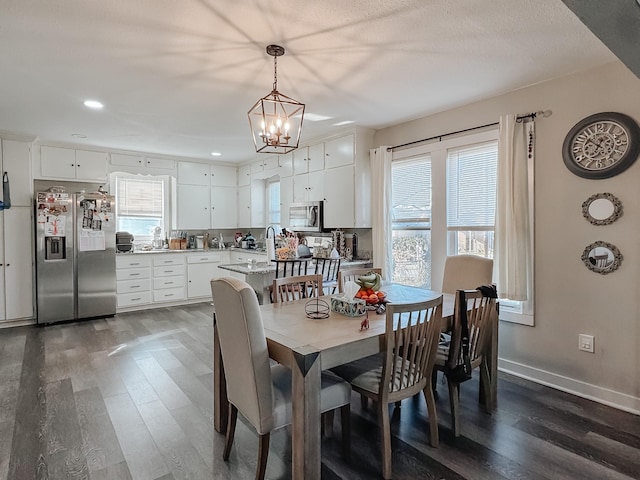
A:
[602, 145]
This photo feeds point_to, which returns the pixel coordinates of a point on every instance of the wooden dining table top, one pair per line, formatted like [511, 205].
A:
[288, 328]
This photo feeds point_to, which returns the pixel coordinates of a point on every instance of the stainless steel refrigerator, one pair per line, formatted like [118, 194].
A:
[75, 256]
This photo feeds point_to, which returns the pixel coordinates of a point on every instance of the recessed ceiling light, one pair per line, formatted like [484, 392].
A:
[215, 154]
[339, 124]
[78, 135]
[93, 104]
[314, 117]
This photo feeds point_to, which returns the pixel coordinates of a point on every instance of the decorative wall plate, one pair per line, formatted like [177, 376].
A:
[602, 209]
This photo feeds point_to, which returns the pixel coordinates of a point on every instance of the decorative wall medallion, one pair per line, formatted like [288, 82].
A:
[602, 257]
[602, 209]
[602, 145]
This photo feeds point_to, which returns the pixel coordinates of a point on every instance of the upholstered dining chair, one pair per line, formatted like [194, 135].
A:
[481, 312]
[351, 274]
[402, 369]
[288, 289]
[463, 272]
[329, 269]
[260, 392]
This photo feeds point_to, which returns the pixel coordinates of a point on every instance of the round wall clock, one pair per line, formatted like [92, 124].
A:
[602, 145]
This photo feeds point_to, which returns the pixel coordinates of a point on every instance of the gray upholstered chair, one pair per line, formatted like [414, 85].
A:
[482, 316]
[402, 369]
[464, 272]
[259, 391]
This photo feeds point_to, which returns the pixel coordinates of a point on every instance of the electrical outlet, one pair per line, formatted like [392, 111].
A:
[586, 343]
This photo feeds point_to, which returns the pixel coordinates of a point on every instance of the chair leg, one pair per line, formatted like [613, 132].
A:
[345, 419]
[434, 383]
[485, 385]
[231, 430]
[327, 423]
[433, 416]
[364, 402]
[263, 454]
[454, 401]
[385, 432]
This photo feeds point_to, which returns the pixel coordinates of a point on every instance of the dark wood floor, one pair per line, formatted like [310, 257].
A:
[131, 398]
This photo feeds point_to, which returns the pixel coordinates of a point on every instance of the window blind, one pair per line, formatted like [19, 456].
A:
[411, 192]
[471, 186]
[139, 197]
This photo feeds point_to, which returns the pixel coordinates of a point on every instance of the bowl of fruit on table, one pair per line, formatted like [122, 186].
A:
[370, 288]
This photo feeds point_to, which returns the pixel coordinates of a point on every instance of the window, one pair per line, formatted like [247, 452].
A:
[273, 202]
[411, 222]
[141, 204]
[471, 199]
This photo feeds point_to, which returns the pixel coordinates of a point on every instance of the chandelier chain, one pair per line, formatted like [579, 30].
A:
[275, 74]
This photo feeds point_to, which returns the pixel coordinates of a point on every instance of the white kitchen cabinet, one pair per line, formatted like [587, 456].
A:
[258, 207]
[15, 159]
[308, 159]
[140, 163]
[309, 187]
[339, 152]
[194, 211]
[339, 205]
[244, 175]
[266, 167]
[70, 164]
[224, 207]
[244, 206]
[168, 277]
[160, 163]
[285, 165]
[190, 173]
[201, 268]
[223, 176]
[286, 199]
[16, 268]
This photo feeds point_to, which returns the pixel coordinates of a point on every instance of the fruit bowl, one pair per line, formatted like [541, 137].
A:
[370, 296]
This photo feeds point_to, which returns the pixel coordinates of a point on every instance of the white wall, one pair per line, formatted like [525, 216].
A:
[570, 299]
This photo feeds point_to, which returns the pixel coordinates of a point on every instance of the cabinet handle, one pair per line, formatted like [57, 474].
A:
[77, 165]
[168, 271]
[136, 299]
[132, 264]
[72, 165]
[168, 295]
[168, 261]
[1, 264]
[8, 264]
[134, 274]
[168, 283]
[134, 286]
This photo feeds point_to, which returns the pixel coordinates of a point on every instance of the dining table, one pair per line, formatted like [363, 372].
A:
[308, 346]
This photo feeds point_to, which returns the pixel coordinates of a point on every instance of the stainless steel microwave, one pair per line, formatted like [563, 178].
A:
[306, 216]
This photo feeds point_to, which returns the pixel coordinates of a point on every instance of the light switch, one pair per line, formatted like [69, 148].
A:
[586, 343]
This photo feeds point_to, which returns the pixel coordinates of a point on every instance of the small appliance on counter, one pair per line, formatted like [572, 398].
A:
[124, 241]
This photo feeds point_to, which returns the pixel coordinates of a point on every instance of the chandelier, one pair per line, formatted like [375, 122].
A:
[275, 119]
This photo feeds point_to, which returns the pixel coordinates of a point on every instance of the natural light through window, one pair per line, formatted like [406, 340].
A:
[140, 205]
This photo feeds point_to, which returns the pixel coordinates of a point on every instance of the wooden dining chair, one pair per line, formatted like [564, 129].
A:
[288, 289]
[351, 274]
[329, 269]
[402, 369]
[464, 272]
[259, 391]
[481, 313]
[289, 268]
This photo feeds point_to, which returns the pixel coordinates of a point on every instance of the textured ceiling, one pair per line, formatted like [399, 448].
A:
[177, 77]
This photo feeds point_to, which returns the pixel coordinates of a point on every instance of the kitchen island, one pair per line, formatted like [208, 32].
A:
[260, 275]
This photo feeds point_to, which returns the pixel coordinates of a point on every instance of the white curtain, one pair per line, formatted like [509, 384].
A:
[381, 209]
[513, 252]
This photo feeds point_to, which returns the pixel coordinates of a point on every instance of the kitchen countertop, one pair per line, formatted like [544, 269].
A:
[261, 268]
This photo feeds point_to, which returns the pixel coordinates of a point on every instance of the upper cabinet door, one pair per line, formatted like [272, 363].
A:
[161, 163]
[91, 165]
[126, 160]
[315, 157]
[16, 159]
[285, 165]
[56, 162]
[194, 211]
[222, 176]
[339, 152]
[244, 175]
[193, 173]
[300, 160]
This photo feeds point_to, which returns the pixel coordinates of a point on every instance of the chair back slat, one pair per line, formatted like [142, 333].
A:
[290, 268]
[297, 287]
[412, 332]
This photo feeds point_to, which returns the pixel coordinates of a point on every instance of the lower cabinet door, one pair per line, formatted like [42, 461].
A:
[199, 279]
[133, 299]
[168, 294]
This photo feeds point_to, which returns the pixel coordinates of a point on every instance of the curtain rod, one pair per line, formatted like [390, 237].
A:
[519, 118]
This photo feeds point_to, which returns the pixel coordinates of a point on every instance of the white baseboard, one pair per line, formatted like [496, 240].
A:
[614, 399]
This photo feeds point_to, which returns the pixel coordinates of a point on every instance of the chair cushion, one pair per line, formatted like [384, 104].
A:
[335, 393]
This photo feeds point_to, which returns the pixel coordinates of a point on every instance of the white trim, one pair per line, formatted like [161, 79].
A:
[619, 400]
